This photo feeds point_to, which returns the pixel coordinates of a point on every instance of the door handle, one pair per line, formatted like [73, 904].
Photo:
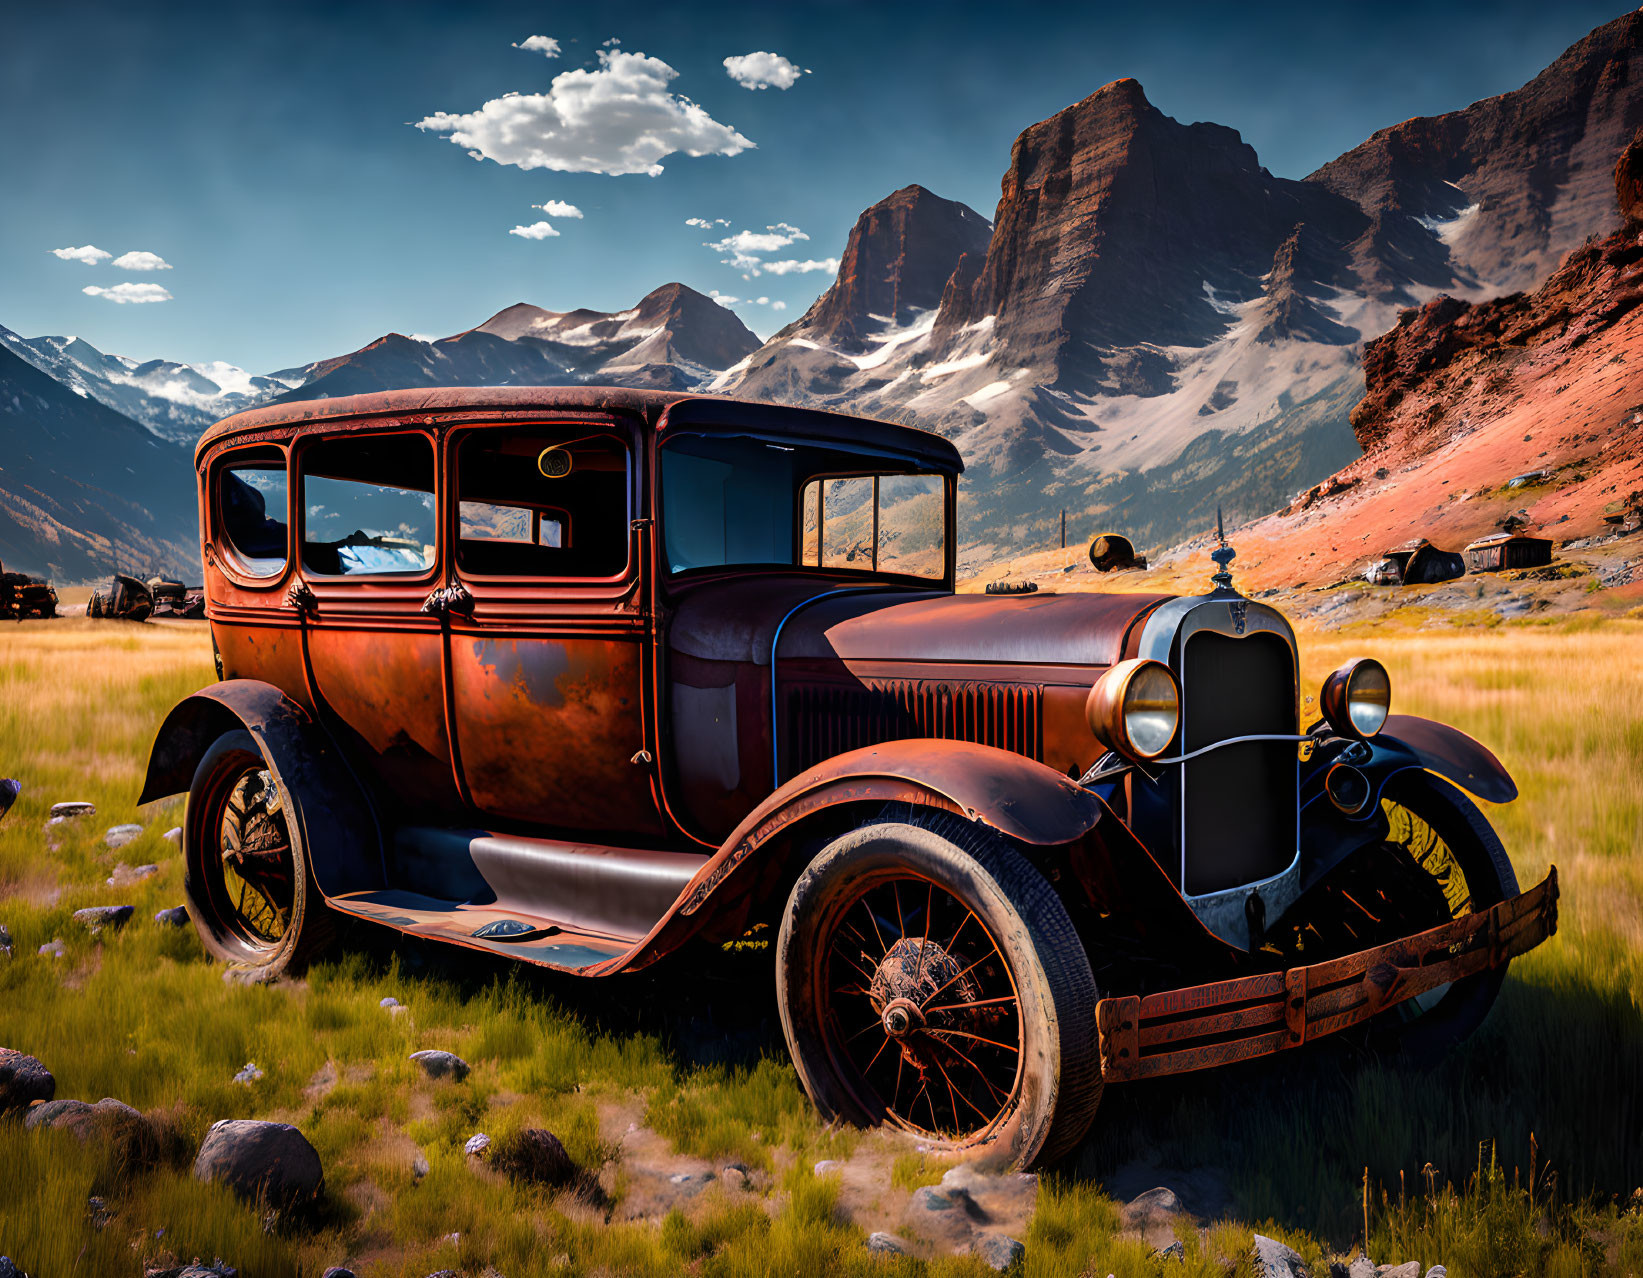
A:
[452, 600]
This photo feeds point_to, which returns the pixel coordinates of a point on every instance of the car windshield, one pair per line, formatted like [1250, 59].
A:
[736, 500]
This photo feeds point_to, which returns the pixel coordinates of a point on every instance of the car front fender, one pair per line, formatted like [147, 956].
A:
[337, 827]
[1452, 755]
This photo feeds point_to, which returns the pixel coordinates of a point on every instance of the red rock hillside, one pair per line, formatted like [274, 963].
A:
[1465, 399]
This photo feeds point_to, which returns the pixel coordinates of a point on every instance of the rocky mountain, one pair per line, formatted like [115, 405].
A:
[84, 489]
[175, 401]
[1524, 412]
[1158, 324]
[675, 338]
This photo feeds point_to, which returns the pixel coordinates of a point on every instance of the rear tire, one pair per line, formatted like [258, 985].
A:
[929, 979]
[250, 891]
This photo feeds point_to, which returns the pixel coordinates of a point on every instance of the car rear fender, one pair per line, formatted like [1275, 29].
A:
[1022, 799]
[335, 823]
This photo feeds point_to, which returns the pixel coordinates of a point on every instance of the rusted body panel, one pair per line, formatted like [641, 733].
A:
[1207, 1025]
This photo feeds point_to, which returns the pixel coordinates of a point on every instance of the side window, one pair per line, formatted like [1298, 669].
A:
[368, 506]
[913, 525]
[887, 523]
[542, 502]
[251, 511]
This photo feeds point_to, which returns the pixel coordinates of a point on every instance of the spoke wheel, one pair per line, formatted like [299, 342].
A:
[930, 981]
[249, 892]
[1443, 837]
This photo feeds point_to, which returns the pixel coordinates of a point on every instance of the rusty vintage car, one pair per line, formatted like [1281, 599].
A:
[596, 678]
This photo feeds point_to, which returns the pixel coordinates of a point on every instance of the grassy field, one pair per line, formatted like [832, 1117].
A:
[697, 1058]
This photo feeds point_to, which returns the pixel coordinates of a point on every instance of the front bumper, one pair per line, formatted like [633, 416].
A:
[1205, 1025]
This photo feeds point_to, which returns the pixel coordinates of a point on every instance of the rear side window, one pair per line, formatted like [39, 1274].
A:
[251, 508]
[368, 506]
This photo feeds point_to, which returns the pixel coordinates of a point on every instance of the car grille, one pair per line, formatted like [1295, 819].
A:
[823, 721]
[1239, 803]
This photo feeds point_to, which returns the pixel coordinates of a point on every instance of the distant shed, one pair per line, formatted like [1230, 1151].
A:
[1500, 551]
[1419, 562]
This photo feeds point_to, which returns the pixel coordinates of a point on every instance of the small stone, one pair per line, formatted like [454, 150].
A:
[338, 1271]
[1275, 1260]
[998, 1251]
[126, 875]
[692, 1182]
[1437, 1271]
[10, 1270]
[1361, 1267]
[931, 1199]
[827, 1166]
[253, 1158]
[5, 942]
[97, 917]
[886, 1244]
[390, 1002]
[23, 1080]
[436, 1064]
[71, 809]
[419, 1166]
[533, 1155]
[175, 835]
[117, 836]
[1409, 1269]
[734, 1175]
[1175, 1251]
[477, 1145]
[250, 1074]
[52, 949]
[176, 916]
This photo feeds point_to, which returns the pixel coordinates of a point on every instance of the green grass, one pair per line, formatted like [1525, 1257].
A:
[693, 1050]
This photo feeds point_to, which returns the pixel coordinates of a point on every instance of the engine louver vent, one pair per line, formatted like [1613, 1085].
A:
[823, 721]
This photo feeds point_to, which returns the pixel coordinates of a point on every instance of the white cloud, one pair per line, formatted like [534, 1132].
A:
[123, 293]
[723, 299]
[558, 208]
[706, 224]
[138, 260]
[763, 71]
[90, 254]
[535, 231]
[619, 118]
[547, 46]
[745, 247]
[611, 43]
[778, 306]
[794, 267]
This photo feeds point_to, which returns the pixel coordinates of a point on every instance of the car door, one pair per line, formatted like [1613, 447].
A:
[369, 558]
[548, 625]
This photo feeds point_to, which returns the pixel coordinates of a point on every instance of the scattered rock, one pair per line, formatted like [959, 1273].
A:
[734, 1175]
[390, 1003]
[71, 809]
[10, 1270]
[174, 835]
[176, 916]
[250, 1074]
[23, 1080]
[419, 1166]
[97, 917]
[126, 875]
[1274, 1260]
[1175, 1251]
[533, 1155]
[253, 1157]
[437, 1064]
[52, 949]
[998, 1251]
[941, 1199]
[477, 1146]
[1361, 1267]
[827, 1165]
[1409, 1269]
[692, 1182]
[886, 1244]
[117, 836]
[218, 1268]
[108, 1120]
[338, 1271]
[1152, 1216]
[5, 941]
[1437, 1271]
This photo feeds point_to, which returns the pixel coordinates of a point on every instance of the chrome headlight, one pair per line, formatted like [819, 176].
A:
[1357, 698]
[1135, 708]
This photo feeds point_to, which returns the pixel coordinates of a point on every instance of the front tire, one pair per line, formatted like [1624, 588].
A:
[250, 891]
[929, 979]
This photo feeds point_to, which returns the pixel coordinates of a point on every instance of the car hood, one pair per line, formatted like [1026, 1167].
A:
[815, 619]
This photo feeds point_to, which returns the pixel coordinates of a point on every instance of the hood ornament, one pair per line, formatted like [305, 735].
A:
[1223, 555]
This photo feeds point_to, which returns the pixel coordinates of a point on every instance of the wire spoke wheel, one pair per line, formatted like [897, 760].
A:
[930, 981]
[923, 1011]
[249, 891]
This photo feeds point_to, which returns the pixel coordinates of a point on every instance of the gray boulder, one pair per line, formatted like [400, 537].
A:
[338, 1271]
[109, 1120]
[117, 836]
[436, 1064]
[173, 835]
[23, 1080]
[998, 1251]
[533, 1155]
[125, 875]
[52, 948]
[97, 917]
[1275, 1260]
[886, 1244]
[1361, 1267]
[72, 808]
[253, 1158]
[477, 1145]
[1409, 1269]
[1437, 1271]
[176, 916]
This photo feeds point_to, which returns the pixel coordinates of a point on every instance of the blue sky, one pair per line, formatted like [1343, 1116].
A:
[266, 153]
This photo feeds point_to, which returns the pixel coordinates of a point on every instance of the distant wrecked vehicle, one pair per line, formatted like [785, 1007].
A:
[589, 677]
[22, 596]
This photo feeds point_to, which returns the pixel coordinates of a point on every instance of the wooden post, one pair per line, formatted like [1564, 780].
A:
[1063, 528]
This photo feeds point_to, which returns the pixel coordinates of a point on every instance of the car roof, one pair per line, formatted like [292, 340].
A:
[423, 405]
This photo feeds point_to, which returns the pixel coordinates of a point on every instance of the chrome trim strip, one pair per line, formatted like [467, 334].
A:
[1216, 745]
